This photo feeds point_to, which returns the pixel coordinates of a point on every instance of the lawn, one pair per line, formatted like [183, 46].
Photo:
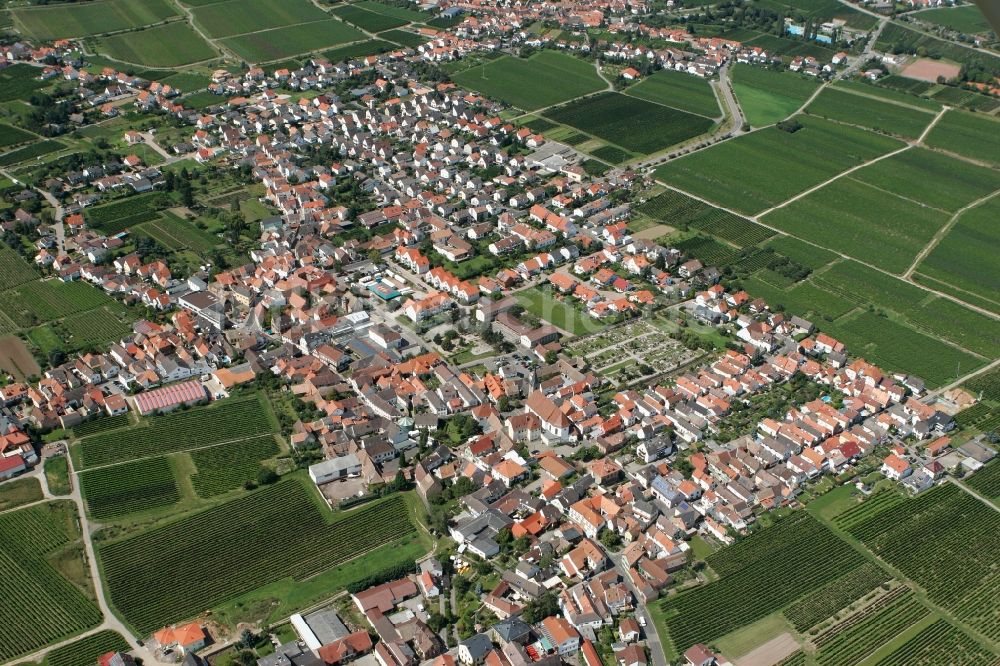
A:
[886, 117]
[231, 544]
[967, 19]
[542, 80]
[633, 124]
[759, 170]
[560, 314]
[237, 17]
[967, 256]
[680, 90]
[60, 21]
[292, 40]
[767, 96]
[167, 45]
[970, 135]
[57, 475]
[845, 215]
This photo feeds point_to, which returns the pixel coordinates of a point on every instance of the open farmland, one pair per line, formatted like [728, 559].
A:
[865, 633]
[30, 152]
[85, 651]
[761, 169]
[967, 19]
[544, 79]
[14, 270]
[758, 576]
[84, 19]
[681, 211]
[177, 233]
[845, 214]
[969, 135]
[959, 568]
[361, 49]
[40, 301]
[140, 485]
[679, 90]
[886, 93]
[10, 136]
[402, 13]
[120, 215]
[986, 481]
[228, 466]
[232, 546]
[940, 644]
[885, 117]
[269, 45]
[367, 20]
[167, 45]
[39, 606]
[19, 81]
[634, 124]
[767, 96]
[237, 17]
[235, 418]
[835, 595]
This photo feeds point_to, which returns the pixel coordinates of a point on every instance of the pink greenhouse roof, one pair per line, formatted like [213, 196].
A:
[169, 396]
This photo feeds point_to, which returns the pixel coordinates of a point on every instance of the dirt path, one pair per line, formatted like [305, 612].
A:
[771, 652]
[943, 231]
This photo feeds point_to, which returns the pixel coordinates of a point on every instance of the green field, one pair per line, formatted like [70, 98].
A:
[285, 42]
[681, 211]
[19, 81]
[886, 117]
[14, 270]
[229, 466]
[229, 420]
[140, 485]
[237, 17]
[966, 258]
[959, 568]
[120, 215]
[207, 558]
[851, 644]
[544, 79]
[60, 21]
[900, 95]
[10, 136]
[17, 492]
[967, 19]
[85, 651]
[757, 576]
[39, 605]
[844, 215]
[679, 90]
[970, 135]
[761, 169]
[367, 20]
[767, 96]
[404, 38]
[167, 45]
[402, 13]
[40, 301]
[560, 314]
[897, 38]
[359, 50]
[634, 124]
[57, 475]
[176, 233]
[30, 152]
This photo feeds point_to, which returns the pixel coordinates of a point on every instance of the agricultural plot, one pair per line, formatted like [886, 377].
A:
[30, 152]
[360, 50]
[679, 90]
[18, 492]
[835, 595]
[238, 17]
[967, 99]
[886, 117]
[402, 13]
[19, 81]
[896, 38]
[13, 269]
[790, 47]
[634, 124]
[57, 475]
[960, 567]
[230, 544]
[85, 651]
[801, 252]
[940, 644]
[176, 233]
[101, 424]
[280, 43]
[845, 646]
[903, 95]
[708, 250]
[39, 605]
[39, 301]
[986, 481]
[118, 490]
[169, 45]
[94, 329]
[966, 19]
[846, 214]
[759, 170]
[367, 20]
[681, 211]
[974, 136]
[759, 576]
[228, 466]
[115, 217]
[61, 21]
[546, 78]
[10, 136]
[230, 420]
[986, 385]
[404, 38]
[767, 96]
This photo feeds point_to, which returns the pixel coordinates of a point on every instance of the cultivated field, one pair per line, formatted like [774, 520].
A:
[234, 546]
[367, 20]
[679, 90]
[889, 93]
[959, 568]
[967, 19]
[270, 45]
[767, 96]
[634, 124]
[228, 466]
[542, 80]
[885, 117]
[974, 136]
[167, 45]
[761, 169]
[90, 18]
[232, 419]
[758, 576]
[140, 485]
[237, 17]
[835, 595]
[85, 651]
[681, 211]
[39, 606]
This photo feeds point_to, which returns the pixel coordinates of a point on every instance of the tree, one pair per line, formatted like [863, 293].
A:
[538, 609]
[266, 476]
